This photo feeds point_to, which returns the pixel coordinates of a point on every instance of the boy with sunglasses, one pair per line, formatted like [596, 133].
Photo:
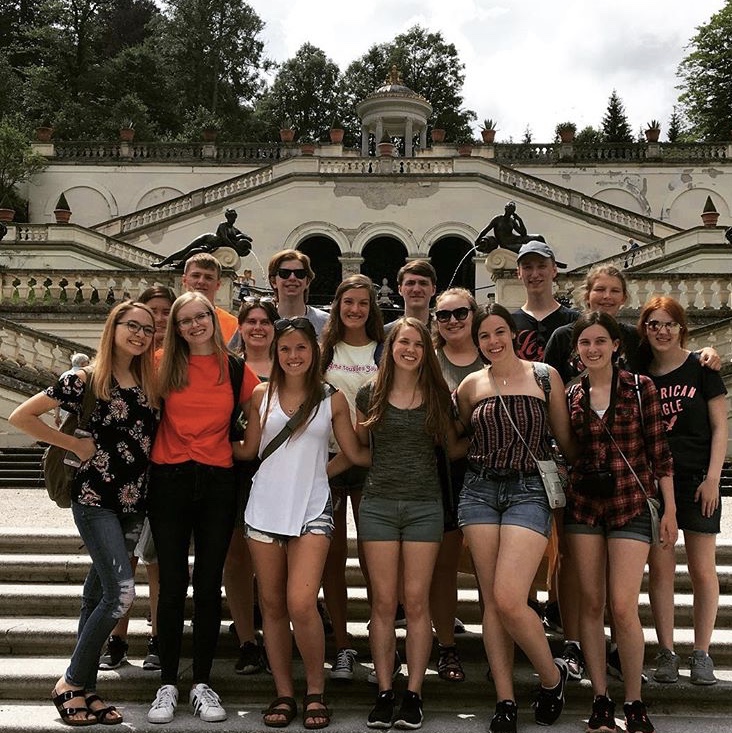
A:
[290, 275]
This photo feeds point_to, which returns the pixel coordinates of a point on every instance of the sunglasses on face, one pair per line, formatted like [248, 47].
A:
[300, 273]
[670, 326]
[300, 323]
[459, 314]
[135, 327]
[256, 299]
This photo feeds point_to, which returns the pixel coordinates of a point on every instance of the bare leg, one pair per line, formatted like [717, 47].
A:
[334, 574]
[239, 585]
[443, 590]
[661, 576]
[700, 553]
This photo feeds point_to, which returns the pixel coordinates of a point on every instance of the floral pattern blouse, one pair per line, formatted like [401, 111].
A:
[123, 430]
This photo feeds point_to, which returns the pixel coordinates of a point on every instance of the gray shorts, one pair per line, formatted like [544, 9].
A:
[638, 528]
[322, 525]
[145, 548]
[504, 497]
[383, 519]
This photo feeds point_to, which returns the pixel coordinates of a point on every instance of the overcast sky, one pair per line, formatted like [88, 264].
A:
[527, 62]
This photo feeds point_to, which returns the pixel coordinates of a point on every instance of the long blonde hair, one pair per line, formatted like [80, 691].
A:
[432, 385]
[173, 372]
[141, 367]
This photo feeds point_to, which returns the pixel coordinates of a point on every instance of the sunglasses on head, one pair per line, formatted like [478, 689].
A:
[256, 299]
[300, 323]
[300, 273]
[459, 314]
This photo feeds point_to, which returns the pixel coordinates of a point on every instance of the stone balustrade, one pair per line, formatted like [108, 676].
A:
[39, 351]
[386, 166]
[74, 288]
[718, 335]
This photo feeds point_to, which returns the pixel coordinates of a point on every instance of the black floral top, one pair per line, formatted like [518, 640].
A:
[123, 429]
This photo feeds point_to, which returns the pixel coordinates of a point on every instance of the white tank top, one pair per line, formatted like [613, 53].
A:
[290, 488]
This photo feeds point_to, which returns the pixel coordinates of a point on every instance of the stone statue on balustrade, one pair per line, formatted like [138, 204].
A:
[508, 230]
[227, 235]
[384, 293]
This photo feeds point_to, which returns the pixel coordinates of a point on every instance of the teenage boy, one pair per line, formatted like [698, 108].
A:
[202, 274]
[417, 284]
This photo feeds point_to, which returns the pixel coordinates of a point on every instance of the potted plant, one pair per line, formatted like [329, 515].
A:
[127, 131]
[709, 214]
[44, 132]
[307, 146]
[566, 131]
[62, 212]
[465, 148]
[653, 131]
[336, 131]
[287, 131]
[385, 146]
[18, 162]
[488, 130]
[438, 132]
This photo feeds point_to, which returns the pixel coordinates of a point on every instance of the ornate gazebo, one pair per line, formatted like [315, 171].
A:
[396, 110]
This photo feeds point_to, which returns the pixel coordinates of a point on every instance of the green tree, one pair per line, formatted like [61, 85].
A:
[18, 162]
[706, 78]
[307, 91]
[589, 136]
[675, 126]
[615, 125]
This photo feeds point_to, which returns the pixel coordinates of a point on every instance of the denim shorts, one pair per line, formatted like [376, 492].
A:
[638, 528]
[322, 525]
[504, 497]
[688, 511]
[383, 519]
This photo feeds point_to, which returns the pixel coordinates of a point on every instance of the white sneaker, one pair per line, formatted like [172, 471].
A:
[207, 704]
[163, 708]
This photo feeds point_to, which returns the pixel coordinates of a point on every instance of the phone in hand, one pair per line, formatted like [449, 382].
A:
[71, 459]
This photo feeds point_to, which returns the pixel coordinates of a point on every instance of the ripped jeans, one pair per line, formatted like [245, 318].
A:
[109, 588]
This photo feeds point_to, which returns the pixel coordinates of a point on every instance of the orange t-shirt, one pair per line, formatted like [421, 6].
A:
[195, 424]
[229, 324]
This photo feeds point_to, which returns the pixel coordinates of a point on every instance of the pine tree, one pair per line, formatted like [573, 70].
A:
[615, 125]
[675, 129]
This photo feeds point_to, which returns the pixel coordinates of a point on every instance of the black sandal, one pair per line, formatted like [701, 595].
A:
[448, 664]
[308, 716]
[103, 714]
[67, 714]
[283, 706]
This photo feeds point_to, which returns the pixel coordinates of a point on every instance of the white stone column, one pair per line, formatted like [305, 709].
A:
[379, 130]
[364, 140]
[351, 264]
[408, 133]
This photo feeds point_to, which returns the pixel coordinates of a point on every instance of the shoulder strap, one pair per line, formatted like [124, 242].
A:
[90, 399]
[640, 401]
[292, 424]
[236, 375]
[378, 352]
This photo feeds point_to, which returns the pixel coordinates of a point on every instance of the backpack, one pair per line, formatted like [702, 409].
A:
[57, 476]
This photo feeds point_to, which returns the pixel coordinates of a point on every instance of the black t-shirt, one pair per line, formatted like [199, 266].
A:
[532, 335]
[559, 354]
[684, 394]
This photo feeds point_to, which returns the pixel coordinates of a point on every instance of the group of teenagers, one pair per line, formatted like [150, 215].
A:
[433, 427]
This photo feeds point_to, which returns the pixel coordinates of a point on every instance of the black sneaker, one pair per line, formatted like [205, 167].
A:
[602, 719]
[152, 660]
[636, 717]
[575, 660]
[410, 714]
[504, 719]
[250, 659]
[552, 617]
[614, 668]
[382, 713]
[114, 654]
[548, 703]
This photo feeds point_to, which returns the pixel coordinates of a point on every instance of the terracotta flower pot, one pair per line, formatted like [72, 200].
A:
[652, 134]
[438, 135]
[62, 216]
[385, 150]
[287, 134]
[127, 134]
[336, 135]
[710, 218]
[307, 148]
[7, 214]
[44, 134]
[488, 136]
[209, 135]
[566, 136]
[465, 150]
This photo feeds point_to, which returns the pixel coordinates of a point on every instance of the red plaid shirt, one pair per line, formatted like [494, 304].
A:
[642, 441]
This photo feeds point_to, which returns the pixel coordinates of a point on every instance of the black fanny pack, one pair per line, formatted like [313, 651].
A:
[596, 484]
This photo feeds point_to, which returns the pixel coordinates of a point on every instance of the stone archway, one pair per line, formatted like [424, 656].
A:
[323, 253]
[382, 258]
[446, 255]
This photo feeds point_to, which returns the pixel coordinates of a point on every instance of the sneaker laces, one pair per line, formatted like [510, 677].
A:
[345, 658]
[165, 697]
[205, 697]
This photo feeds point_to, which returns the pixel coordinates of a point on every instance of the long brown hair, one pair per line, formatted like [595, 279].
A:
[173, 372]
[432, 385]
[141, 367]
[313, 380]
[437, 340]
[250, 304]
[334, 330]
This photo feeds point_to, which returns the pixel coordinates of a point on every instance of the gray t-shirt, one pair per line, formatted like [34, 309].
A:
[403, 459]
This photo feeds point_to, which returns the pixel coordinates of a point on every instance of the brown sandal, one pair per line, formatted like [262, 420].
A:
[67, 714]
[449, 666]
[308, 716]
[284, 706]
[108, 715]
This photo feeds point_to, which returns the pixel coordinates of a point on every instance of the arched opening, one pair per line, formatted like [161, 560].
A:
[382, 258]
[452, 258]
[323, 253]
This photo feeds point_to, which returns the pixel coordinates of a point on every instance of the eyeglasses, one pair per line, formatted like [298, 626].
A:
[300, 323]
[459, 314]
[300, 273]
[135, 327]
[670, 326]
[258, 299]
[198, 318]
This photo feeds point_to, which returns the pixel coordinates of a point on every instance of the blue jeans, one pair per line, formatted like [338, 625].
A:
[109, 589]
[190, 500]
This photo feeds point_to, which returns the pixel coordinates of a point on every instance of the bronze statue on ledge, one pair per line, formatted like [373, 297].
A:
[227, 235]
[508, 230]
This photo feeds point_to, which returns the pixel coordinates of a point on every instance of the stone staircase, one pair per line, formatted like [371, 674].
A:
[41, 574]
[20, 468]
